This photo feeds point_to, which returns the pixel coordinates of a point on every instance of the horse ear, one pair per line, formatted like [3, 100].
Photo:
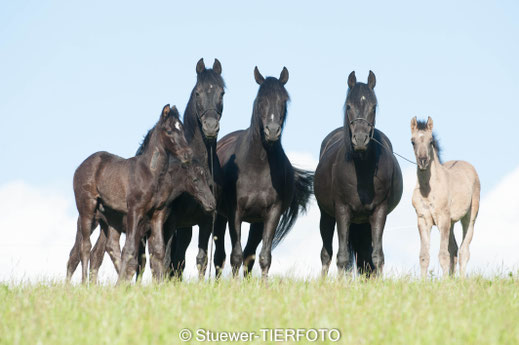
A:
[372, 81]
[414, 124]
[257, 75]
[429, 124]
[200, 66]
[165, 112]
[174, 112]
[217, 66]
[352, 80]
[283, 77]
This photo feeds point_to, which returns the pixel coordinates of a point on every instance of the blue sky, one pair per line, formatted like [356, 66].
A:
[76, 78]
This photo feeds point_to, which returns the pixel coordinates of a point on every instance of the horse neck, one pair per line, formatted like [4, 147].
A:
[155, 156]
[433, 175]
[194, 135]
[256, 147]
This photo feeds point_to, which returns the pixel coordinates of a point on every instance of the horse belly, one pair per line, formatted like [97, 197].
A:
[461, 188]
[112, 191]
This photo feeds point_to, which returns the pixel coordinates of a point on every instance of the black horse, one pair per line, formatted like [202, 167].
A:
[358, 182]
[260, 186]
[201, 126]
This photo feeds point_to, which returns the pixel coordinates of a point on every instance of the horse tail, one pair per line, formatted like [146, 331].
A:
[304, 181]
[361, 247]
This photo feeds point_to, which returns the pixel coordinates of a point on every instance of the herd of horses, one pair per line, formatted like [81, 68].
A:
[182, 176]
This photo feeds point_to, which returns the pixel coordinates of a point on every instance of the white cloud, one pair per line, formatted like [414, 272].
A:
[38, 226]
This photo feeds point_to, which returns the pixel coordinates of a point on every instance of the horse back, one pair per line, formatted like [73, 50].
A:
[103, 176]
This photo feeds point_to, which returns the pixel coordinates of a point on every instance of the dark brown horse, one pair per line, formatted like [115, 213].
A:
[260, 186]
[358, 182]
[191, 178]
[106, 181]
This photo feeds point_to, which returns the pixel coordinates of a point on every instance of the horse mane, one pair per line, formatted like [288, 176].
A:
[271, 86]
[145, 142]
[422, 126]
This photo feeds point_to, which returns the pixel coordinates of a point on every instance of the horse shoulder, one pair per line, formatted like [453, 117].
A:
[331, 140]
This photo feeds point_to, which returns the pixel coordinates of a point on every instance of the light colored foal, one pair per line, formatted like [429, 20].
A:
[445, 194]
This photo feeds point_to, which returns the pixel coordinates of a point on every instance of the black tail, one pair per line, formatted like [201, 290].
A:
[304, 181]
[361, 247]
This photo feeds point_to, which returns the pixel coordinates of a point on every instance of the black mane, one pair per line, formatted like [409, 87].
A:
[145, 142]
[422, 126]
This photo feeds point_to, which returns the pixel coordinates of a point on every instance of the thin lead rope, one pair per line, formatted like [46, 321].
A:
[393, 152]
[213, 216]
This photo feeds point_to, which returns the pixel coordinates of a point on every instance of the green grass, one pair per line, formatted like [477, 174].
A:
[390, 311]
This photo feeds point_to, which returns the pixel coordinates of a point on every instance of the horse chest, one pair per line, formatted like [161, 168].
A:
[431, 207]
[255, 193]
[362, 193]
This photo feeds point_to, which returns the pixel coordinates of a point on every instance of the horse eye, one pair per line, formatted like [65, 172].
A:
[169, 131]
[348, 107]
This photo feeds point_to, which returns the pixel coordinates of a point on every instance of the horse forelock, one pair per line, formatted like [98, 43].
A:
[360, 95]
[421, 125]
[271, 88]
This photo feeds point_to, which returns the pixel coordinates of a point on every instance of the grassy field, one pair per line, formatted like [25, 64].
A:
[390, 311]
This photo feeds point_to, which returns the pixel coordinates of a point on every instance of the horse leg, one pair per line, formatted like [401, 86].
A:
[141, 258]
[181, 240]
[249, 253]
[113, 248]
[378, 221]
[424, 228]
[73, 259]
[98, 252]
[444, 225]
[453, 251]
[129, 254]
[156, 246]
[219, 241]
[203, 243]
[87, 225]
[468, 232]
[343, 217]
[236, 253]
[326, 225]
[269, 229]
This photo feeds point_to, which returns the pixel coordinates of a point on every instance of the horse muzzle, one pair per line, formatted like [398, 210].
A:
[423, 163]
[211, 127]
[360, 142]
[272, 132]
[209, 205]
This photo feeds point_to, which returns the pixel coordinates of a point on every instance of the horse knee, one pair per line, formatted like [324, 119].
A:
[86, 247]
